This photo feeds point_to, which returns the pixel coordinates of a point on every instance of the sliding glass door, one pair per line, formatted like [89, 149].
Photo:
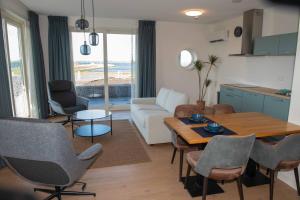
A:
[106, 75]
[14, 33]
[121, 61]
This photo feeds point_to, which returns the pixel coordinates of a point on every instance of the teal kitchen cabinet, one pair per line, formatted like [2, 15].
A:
[288, 44]
[253, 102]
[266, 46]
[232, 97]
[247, 101]
[277, 107]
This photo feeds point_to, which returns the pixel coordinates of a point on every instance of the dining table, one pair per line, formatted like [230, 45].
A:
[235, 124]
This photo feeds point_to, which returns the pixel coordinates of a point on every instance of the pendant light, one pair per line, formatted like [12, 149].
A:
[82, 23]
[94, 37]
[85, 49]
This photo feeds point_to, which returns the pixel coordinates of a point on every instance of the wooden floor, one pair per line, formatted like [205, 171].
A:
[155, 180]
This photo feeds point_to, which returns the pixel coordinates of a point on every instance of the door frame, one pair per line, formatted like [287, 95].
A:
[20, 23]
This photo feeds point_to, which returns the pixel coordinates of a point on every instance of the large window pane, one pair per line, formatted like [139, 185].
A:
[89, 70]
[18, 86]
[121, 58]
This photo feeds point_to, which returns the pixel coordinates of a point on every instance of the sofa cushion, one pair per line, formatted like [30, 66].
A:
[175, 99]
[162, 97]
[147, 107]
[143, 115]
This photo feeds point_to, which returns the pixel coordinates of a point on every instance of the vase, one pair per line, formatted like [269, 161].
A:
[201, 103]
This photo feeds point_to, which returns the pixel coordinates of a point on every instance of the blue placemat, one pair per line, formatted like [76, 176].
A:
[187, 121]
[201, 131]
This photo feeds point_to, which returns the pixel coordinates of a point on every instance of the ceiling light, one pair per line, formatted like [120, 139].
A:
[193, 13]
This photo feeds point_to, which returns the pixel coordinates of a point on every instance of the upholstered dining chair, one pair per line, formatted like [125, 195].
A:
[223, 159]
[223, 109]
[284, 155]
[63, 99]
[41, 153]
[179, 144]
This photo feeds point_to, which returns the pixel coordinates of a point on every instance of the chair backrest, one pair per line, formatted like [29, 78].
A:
[63, 92]
[224, 152]
[288, 149]
[187, 110]
[223, 109]
[39, 151]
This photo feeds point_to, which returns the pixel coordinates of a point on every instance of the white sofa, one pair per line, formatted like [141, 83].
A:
[148, 114]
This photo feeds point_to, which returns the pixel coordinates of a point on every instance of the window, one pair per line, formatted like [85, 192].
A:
[105, 76]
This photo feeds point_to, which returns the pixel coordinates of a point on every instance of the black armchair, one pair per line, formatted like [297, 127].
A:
[63, 99]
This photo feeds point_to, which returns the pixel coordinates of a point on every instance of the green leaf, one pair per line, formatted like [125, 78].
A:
[213, 59]
[198, 65]
[207, 83]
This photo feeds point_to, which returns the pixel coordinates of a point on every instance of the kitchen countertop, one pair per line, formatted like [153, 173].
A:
[257, 89]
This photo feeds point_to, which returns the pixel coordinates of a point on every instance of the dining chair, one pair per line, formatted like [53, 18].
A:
[223, 109]
[284, 155]
[224, 159]
[178, 143]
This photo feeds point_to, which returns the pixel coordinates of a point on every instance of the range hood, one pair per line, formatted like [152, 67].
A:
[252, 28]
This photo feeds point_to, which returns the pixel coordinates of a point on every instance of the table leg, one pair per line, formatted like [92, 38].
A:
[92, 130]
[72, 122]
[254, 177]
[111, 132]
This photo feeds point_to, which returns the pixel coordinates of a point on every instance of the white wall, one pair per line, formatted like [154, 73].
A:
[294, 116]
[171, 38]
[270, 71]
[15, 6]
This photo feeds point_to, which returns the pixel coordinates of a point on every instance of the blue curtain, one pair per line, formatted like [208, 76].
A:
[38, 66]
[5, 98]
[147, 58]
[59, 48]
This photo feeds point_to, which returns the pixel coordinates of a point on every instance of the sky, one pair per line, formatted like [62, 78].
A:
[119, 47]
[13, 43]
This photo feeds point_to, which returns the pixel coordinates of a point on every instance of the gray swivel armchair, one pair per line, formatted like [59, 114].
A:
[285, 155]
[41, 152]
[223, 159]
[63, 99]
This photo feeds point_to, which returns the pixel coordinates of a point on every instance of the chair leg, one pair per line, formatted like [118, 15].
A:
[297, 180]
[188, 172]
[240, 188]
[174, 154]
[204, 191]
[272, 177]
[181, 164]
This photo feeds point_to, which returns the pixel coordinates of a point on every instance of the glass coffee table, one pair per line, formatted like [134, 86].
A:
[92, 130]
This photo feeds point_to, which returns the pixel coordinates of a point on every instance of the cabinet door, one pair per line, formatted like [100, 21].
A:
[277, 107]
[288, 44]
[232, 97]
[266, 46]
[253, 102]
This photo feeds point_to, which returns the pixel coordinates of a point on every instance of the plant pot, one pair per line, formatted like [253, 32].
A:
[201, 103]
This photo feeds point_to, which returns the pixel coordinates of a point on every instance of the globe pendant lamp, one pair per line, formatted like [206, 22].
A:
[85, 49]
[82, 23]
[94, 37]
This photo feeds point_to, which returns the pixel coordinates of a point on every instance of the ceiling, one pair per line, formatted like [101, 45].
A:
[164, 10]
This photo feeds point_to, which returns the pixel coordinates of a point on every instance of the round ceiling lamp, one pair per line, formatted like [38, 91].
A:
[195, 13]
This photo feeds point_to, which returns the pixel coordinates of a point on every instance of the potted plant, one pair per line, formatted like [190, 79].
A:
[203, 86]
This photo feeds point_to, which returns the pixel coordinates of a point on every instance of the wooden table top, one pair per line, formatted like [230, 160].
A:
[241, 123]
